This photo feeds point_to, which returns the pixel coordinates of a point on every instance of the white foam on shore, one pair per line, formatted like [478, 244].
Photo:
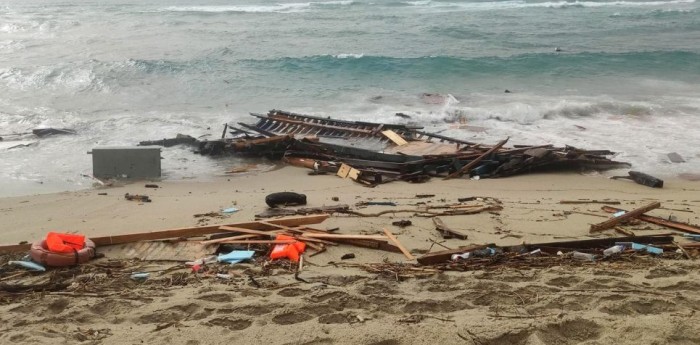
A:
[516, 4]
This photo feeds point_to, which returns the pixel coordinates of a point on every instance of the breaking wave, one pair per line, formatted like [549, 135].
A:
[275, 8]
[561, 65]
[516, 4]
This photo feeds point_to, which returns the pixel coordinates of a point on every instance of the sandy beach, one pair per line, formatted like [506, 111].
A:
[645, 301]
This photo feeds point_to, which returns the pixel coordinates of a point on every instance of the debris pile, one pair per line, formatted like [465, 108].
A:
[375, 153]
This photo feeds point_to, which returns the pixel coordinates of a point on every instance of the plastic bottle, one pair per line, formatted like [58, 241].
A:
[535, 252]
[616, 249]
[584, 256]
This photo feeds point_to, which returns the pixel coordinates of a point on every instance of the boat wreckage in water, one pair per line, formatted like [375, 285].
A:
[374, 153]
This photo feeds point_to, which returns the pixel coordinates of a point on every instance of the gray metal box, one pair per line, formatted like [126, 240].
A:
[129, 162]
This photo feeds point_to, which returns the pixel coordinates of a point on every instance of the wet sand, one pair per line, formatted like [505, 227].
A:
[652, 301]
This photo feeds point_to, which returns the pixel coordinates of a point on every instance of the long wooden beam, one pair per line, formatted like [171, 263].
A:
[659, 221]
[186, 232]
[610, 223]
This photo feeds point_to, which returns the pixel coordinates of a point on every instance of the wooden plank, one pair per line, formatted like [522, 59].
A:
[343, 236]
[344, 170]
[271, 233]
[465, 169]
[397, 139]
[158, 250]
[609, 202]
[260, 241]
[398, 244]
[422, 148]
[446, 231]
[659, 221]
[315, 240]
[187, 232]
[14, 248]
[628, 215]
[445, 255]
[232, 238]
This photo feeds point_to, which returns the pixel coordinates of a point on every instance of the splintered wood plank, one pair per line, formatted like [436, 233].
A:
[397, 139]
[398, 244]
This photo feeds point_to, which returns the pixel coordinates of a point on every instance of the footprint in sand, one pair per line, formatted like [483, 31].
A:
[291, 318]
[232, 324]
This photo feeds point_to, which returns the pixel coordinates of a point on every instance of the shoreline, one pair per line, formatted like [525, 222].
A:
[527, 200]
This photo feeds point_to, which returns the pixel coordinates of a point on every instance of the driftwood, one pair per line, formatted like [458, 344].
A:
[446, 231]
[626, 216]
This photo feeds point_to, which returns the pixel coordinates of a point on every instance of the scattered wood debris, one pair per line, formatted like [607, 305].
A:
[306, 141]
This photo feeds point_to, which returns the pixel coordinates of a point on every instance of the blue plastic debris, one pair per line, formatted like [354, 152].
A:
[647, 248]
[654, 250]
[30, 265]
[229, 210]
[236, 256]
[140, 276]
[618, 213]
[692, 237]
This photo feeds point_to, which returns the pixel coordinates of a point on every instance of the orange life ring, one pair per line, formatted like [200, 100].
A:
[42, 255]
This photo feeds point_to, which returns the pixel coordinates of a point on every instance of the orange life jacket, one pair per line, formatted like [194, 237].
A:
[290, 251]
[64, 243]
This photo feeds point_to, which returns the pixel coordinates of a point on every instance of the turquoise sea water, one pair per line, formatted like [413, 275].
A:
[124, 71]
